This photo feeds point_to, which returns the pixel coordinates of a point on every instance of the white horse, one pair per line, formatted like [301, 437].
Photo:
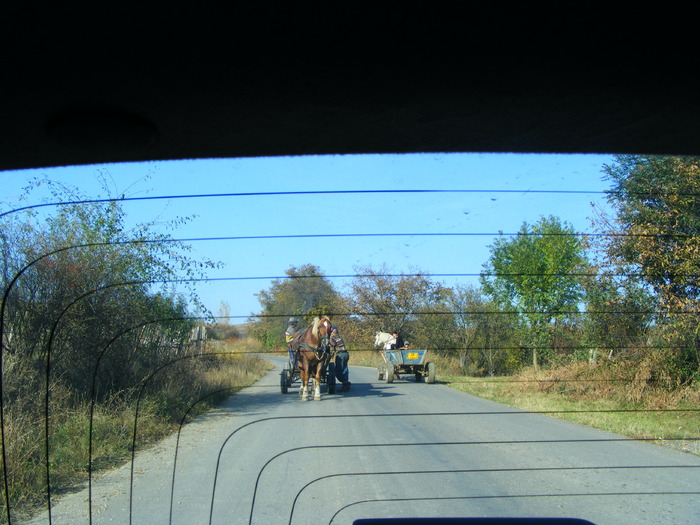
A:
[385, 340]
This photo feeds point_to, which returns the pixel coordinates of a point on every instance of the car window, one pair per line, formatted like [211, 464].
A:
[520, 330]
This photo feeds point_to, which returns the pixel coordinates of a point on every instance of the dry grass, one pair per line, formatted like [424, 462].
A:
[370, 358]
[183, 390]
[616, 397]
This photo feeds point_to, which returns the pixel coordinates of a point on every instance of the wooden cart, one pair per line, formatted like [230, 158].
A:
[402, 361]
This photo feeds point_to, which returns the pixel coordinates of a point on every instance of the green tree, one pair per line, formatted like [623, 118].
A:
[536, 275]
[89, 300]
[92, 278]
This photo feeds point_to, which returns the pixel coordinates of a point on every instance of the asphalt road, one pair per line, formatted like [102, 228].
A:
[388, 450]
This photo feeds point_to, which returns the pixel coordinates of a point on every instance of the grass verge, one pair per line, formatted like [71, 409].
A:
[599, 397]
[370, 358]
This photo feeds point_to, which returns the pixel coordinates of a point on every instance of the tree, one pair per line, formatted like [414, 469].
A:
[86, 277]
[468, 304]
[535, 275]
[89, 312]
[657, 200]
[619, 303]
[385, 302]
[619, 313]
[305, 293]
[657, 232]
[224, 313]
[435, 323]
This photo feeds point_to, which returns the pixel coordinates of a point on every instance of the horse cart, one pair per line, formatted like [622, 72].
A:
[403, 361]
[290, 373]
[310, 358]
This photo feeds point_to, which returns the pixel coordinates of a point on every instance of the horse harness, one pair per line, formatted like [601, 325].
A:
[322, 351]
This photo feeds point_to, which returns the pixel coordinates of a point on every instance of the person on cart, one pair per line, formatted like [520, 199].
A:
[341, 358]
[289, 334]
[398, 343]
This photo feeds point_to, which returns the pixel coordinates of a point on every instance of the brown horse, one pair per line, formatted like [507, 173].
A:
[312, 353]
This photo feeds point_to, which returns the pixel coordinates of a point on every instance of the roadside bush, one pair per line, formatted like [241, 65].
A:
[185, 386]
[222, 332]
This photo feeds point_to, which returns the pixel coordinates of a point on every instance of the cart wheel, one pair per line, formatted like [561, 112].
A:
[284, 385]
[431, 373]
[330, 378]
[380, 373]
[389, 378]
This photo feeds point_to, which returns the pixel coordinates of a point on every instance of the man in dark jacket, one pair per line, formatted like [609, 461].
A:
[399, 341]
[341, 358]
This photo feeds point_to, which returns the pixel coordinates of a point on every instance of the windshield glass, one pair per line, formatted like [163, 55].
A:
[508, 336]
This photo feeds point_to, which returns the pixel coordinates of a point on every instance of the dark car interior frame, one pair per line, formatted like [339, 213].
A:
[94, 84]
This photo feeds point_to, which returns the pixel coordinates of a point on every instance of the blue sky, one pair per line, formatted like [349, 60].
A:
[513, 181]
